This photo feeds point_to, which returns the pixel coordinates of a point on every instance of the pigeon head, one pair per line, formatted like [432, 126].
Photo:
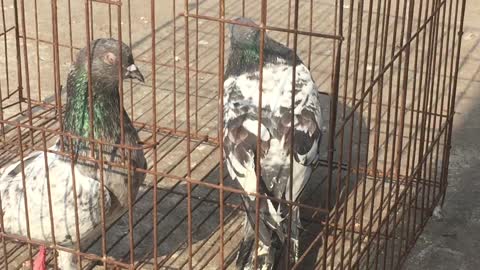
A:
[245, 49]
[105, 61]
[107, 58]
[242, 36]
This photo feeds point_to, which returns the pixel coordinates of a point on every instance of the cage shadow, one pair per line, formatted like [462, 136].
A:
[342, 183]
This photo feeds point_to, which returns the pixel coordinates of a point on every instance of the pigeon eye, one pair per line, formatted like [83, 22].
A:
[109, 58]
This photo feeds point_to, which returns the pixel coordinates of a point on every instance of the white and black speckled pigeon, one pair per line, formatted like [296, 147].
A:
[106, 126]
[241, 104]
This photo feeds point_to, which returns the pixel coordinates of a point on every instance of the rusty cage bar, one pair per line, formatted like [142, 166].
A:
[387, 74]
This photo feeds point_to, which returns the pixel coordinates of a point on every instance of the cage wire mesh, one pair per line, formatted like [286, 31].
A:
[387, 72]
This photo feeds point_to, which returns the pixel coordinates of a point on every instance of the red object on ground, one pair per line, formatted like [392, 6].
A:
[39, 262]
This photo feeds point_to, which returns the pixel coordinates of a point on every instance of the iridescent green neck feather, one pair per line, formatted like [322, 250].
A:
[243, 59]
[105, 108]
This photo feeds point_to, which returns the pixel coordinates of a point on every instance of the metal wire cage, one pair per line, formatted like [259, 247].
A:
[387, 71]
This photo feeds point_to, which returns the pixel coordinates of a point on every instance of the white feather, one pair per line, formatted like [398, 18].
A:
[249, 181]
[276, 93]
[241, 97]
[252, 126]
[63, 207]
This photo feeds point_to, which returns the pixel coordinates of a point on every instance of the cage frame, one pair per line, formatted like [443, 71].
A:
[418, 179]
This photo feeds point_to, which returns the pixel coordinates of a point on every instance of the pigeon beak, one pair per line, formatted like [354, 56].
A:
[134, 73]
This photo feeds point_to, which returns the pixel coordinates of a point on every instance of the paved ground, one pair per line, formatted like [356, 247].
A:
[453, 241]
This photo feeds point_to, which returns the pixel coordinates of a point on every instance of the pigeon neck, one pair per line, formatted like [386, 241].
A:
[250, 55]
[242, 60]
[105, 108]
[247, 58]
